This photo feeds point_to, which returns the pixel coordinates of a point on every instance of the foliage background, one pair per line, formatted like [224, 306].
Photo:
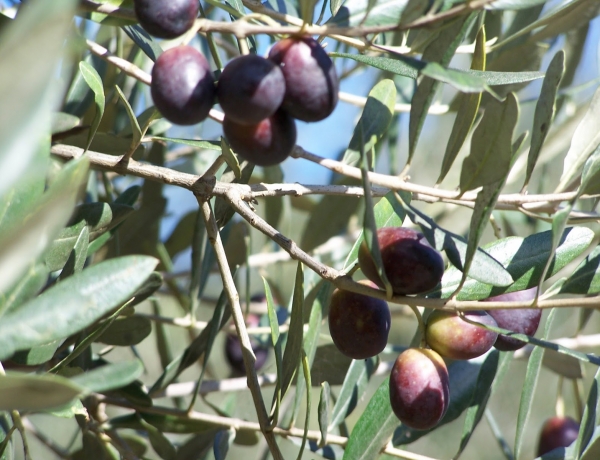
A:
[45, 245]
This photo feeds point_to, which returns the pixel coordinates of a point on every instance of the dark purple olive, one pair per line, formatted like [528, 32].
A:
[182, 85]
[411, 265]
[265, 144]
[310, 78]
[359, 325]
[522, 320]
[557, 432]
[233, 349]
[166, 18]
[250, 89]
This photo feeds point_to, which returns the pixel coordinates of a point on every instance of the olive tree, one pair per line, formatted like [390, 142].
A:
[132, 250]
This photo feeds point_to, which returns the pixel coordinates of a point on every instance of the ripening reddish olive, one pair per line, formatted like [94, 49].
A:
[250, 89]
[557, 432]
[182, 87]
[359, 324]
[522, 320]
[419, 388]
[411, 265]
[452, 337]
[265, 144]
[311, 80]
[166, 18]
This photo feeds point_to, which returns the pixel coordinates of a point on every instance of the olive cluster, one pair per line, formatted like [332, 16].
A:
[419, 382]
[260, 97]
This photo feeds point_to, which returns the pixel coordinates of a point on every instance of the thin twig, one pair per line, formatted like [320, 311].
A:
[244, 425]
[214, 237]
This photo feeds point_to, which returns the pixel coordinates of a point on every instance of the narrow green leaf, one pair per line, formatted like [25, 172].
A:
[32, 282]
[142, 39]
[160, 443]
[28, 392]
[98, 217]
[23, 243]
[481, 395]
[306, 373]
[572, 16]
[26, 86]
[544, 111]
[277, 346]
[230, 158]
[323, 416]
[466, 113]
[334, 6]
[113, 20]
[62, 122]
[124, 332]
[374, 427]
[110, 376]
[410, 67]
[485, 203]
[74, 303]
[484, 267]
[524, 259]
[440, 50]
[311, 339]
[534, 365]
[564, 365]
[585, 140]
[374, 121]
[590, 418]
[202, 145]
[586, 277]
[388, 213]
[78, 255]
[293, 348]
[353, 389]
[195, 350]
[491, 146]
[37, 355]
[135, 126]
[462, 81]
[223, 441]
[370, 226]
[92, 78]
[362, 12]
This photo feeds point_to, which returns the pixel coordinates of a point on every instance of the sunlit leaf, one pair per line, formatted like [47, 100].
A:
[74, 303]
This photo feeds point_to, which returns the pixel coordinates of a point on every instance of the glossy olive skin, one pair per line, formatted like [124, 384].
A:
[310, 78]
[250, 89]
[359, 325]
[411, 265]
[523, 321]
[233, 349]
[452, 337]
[557, 432]
[265, 144]
[419, 388]
[166, 18]
[182, 85]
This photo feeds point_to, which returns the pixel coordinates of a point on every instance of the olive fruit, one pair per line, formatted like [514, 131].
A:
[557, 432]
[182, 85]
[411, 265]
[265, 144]
[166, 18]
[250, 89]
[310, 78]
[452, 337]
[359, 324]
[419, 388]
[522, 320]
[233, 349]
